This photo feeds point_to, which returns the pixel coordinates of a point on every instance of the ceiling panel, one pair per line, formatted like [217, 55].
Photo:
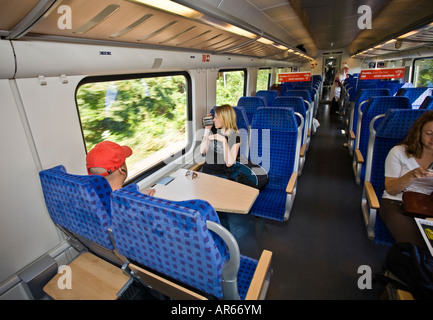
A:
[12, 12]
[127, 21]
[316, 25]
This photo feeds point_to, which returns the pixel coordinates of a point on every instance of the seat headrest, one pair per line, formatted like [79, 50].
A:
[397, 122]
[275, 119]
[391, 102]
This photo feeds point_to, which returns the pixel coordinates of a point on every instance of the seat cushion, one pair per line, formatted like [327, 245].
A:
[271, 204]
[245, 275]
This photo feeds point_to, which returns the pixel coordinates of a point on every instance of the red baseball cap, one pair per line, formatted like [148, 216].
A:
[107, 155]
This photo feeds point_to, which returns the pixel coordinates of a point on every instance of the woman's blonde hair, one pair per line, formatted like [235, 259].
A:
[227, 116]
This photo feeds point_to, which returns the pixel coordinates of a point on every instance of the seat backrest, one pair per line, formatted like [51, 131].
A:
[251, 104]
[355, 87]
[170, 237]
[394, 87]
[274, 144]
[304, 94]
[78, 203]
[427, 103]
[390, 130]
[269, 95]
[374, 107]
[415, 95]
[244, 127]
[298, 105]
[364, 95]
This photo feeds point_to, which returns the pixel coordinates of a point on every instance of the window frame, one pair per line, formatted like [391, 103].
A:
[413, 67]
[111, 78]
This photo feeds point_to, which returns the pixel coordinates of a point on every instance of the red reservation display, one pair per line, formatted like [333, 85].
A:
[294, 76]
[371, 74]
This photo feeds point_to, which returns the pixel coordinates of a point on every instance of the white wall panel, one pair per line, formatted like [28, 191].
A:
[26, 230]
[7, 65]
[36, 58]
[54, 122]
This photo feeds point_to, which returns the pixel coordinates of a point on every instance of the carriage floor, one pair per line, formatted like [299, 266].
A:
[318, 251]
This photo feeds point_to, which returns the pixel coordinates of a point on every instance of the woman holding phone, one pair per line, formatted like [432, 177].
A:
[404, 164]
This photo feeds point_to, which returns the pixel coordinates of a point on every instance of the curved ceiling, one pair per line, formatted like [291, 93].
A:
[292, 30]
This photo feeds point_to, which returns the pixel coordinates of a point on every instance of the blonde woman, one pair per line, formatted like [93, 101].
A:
[221, 142]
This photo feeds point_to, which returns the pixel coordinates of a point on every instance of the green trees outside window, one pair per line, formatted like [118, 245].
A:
[147, 114]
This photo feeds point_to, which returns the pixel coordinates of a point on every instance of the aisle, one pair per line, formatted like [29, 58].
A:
[318, 251]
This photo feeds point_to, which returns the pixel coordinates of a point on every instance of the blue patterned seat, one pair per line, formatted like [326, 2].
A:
[250, 105]
[80, 204]
[298, 105]
[427, 103]
[374, 107]
[269, 95]
[275, 145]
[386, 131]
[415, 95]
[175, 240]
[357, 106]
[394, 87]
[309, 105]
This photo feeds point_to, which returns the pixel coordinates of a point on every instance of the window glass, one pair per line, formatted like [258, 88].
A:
[423, 72]
[263, 79]
[231, 85]
[148, 114]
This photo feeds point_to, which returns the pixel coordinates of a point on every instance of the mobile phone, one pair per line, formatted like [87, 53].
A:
[430, 167]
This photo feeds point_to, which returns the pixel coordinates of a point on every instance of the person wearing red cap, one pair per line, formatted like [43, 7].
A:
[108, 159]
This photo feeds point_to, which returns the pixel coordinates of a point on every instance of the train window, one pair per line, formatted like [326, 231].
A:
[423, 72]
[231, 85]
[147, 113]
[263, 79]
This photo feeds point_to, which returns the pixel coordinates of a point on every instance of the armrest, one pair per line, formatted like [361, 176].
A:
[351, 135]
[196, 166]
[358, 156]
[302, 151]
[373, 202]
[404, 295]
[292, 182]
[259, 277]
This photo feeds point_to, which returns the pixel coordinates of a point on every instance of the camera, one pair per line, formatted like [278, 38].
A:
[207, 121]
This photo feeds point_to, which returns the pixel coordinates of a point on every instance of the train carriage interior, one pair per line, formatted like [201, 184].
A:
[144, 73]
